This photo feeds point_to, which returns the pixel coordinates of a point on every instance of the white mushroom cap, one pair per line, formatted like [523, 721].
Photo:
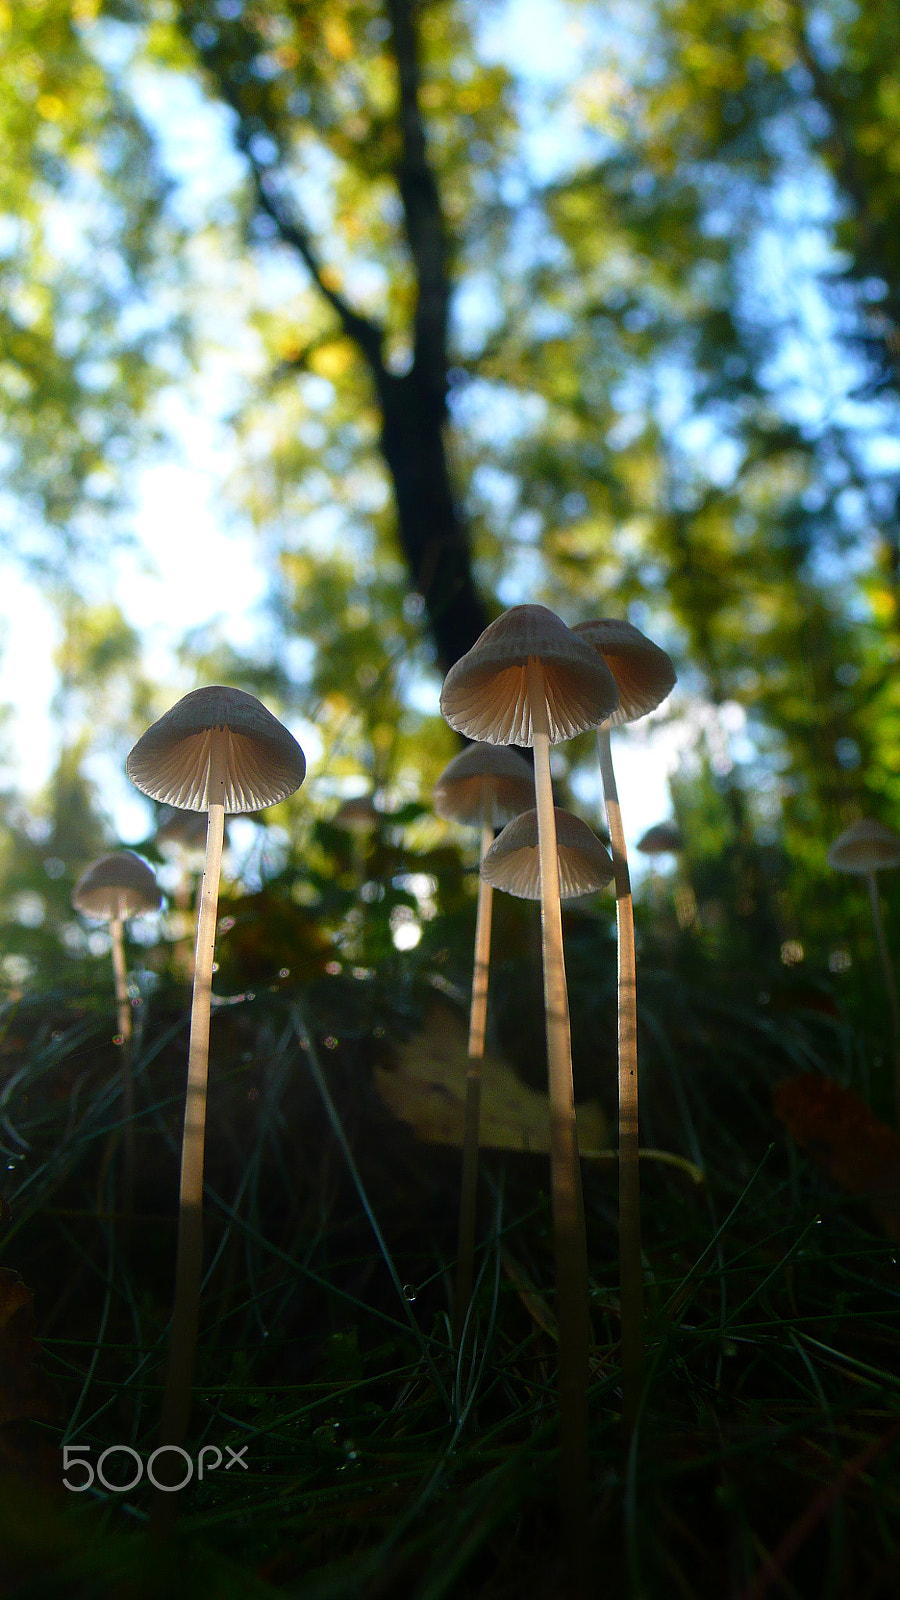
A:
[264, 763]
[643, 671]
[485, 694]
[118, 885]
[866, 846]
[486, 785]
[662, 837]
[512, 862]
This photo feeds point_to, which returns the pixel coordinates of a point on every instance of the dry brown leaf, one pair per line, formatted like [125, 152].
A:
[842, 1136]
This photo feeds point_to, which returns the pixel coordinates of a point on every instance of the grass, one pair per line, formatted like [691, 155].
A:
[765, 1457]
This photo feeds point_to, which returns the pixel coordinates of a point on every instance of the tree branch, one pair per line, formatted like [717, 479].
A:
[367, 335]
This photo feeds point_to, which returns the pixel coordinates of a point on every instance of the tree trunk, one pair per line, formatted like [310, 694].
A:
[432, 536]
[431, 532]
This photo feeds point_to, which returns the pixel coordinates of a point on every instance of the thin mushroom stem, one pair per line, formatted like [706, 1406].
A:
[123, 1011]
[465, 1271]
[890, 983]
[631, 1276]
[188, 1266]
[570, 1245]
[478, 1009]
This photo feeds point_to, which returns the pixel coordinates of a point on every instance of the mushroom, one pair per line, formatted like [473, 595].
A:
[529, 680]
[513, 860]
[112, 889]
[358, 816]
[664, 838]
[644, 675]
[218, 750]
[181, 836]
[868, 847]
[181, 833]
[483, 787]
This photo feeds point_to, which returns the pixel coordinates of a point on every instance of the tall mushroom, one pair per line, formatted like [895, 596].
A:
[112, 889]
[644, 675]
[483, 787]
[868, 847]
[218, 750]
[529, 680]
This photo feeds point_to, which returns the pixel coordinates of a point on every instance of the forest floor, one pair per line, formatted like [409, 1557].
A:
[357, 1456]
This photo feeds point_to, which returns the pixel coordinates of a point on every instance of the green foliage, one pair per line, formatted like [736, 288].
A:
[84, 239]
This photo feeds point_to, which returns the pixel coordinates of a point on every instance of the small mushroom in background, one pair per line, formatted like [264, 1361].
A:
[529, 680]
[644, 676]
[182, 833]
[867, 848]
[483, 787]
[113, 889]
[181, 836]
[359, 816]
[218, 750]
[664, 838]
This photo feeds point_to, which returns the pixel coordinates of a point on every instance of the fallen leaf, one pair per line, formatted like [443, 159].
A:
[427, 1090]
[846, 1140]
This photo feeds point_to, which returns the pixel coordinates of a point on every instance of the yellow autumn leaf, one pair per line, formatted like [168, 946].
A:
[50, 107]
[332, 360]
[427, 1090]
[338, 39]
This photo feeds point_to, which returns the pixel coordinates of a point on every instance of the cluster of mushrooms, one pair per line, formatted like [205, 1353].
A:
[529, 681]
[532, 681]
[217, 751]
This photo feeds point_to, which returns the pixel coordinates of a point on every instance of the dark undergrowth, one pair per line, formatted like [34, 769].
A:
[365, 1460]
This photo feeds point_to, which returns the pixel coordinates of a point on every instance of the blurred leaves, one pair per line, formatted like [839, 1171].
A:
[84, 237]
